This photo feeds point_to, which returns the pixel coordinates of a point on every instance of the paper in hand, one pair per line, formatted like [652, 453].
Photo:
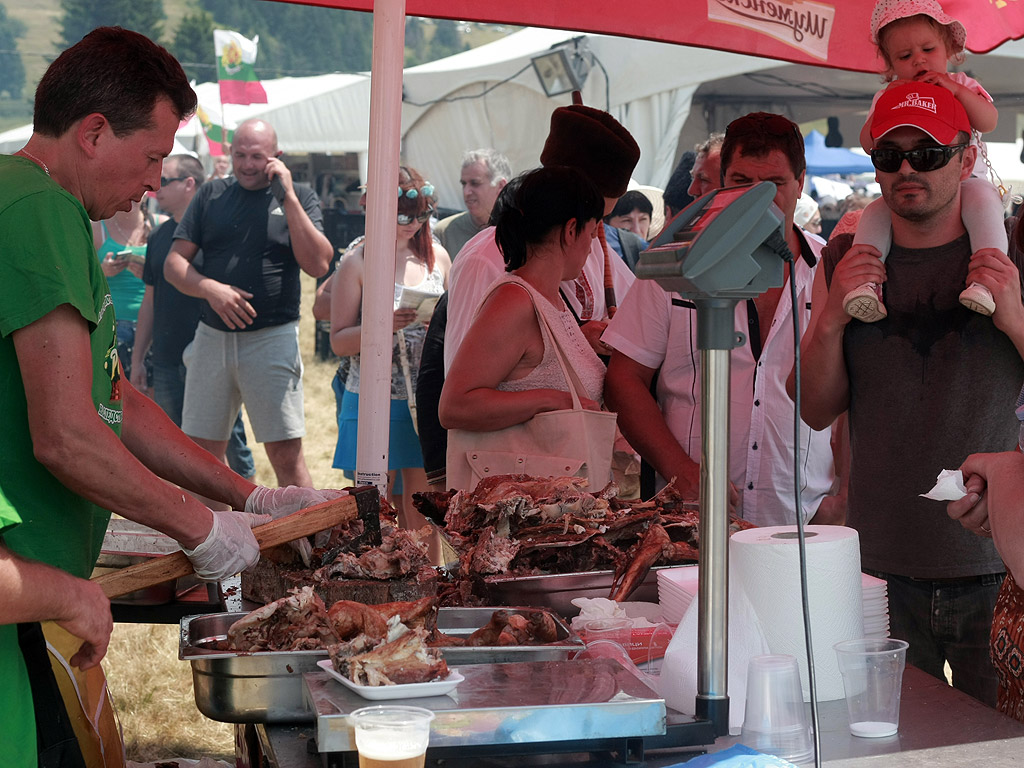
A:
[949, 486]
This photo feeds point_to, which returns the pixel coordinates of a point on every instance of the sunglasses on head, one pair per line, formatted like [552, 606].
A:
[922, 159]
[404, 219]
[164, 181]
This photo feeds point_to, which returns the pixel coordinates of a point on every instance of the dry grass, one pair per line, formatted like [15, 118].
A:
[152, 689]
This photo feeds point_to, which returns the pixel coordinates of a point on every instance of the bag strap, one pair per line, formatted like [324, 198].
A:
[572, 379]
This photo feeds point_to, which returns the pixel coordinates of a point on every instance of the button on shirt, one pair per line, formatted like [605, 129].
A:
[659, 330]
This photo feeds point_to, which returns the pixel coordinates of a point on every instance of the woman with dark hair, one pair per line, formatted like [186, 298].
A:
[506, 370]
[421, 265]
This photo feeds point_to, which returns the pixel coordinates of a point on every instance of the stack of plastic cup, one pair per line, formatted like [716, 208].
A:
[775, 720]
[873, 679]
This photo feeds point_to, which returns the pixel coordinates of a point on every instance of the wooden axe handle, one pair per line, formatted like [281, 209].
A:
[272, 534]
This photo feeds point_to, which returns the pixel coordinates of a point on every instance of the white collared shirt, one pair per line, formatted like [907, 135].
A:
[659, 330]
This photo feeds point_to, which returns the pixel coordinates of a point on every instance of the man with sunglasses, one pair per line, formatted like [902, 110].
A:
[925, 386]
[655, 332]
[256, 231]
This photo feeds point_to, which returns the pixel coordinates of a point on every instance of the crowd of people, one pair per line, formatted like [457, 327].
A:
[525, 304]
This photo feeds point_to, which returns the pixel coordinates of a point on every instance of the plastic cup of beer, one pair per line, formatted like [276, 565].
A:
[392, 736]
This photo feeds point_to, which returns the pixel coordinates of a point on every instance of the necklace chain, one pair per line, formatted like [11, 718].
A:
[34, 159]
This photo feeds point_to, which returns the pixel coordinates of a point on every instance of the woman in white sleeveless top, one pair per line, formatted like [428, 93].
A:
[506, 371]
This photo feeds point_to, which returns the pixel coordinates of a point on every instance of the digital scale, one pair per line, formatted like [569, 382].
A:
[723, 248]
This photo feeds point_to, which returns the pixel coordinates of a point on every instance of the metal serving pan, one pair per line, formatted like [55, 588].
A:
[266, 686]
[556, 591]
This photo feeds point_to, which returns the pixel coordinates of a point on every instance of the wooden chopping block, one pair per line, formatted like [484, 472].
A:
[296, 525]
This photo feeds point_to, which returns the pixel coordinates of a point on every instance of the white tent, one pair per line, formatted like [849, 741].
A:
[323, 113]
[448, 108]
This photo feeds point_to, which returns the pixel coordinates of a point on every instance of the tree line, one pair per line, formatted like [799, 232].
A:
[294, 39]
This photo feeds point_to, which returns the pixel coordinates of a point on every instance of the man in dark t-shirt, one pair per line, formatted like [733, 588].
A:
[925, 386]
[256, 232]
[167, 317]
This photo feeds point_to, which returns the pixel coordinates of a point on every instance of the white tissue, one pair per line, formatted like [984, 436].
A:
[678, 681]
[949, 486]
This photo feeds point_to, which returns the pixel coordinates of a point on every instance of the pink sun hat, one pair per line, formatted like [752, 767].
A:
[888, 11]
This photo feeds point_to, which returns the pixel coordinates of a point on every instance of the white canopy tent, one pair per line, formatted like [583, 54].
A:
[448, 108]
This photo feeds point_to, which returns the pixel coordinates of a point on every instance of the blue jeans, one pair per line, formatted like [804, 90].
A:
[947, 620]
[169, 394]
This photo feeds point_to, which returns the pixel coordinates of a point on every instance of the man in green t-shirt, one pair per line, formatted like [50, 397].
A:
[79, 441]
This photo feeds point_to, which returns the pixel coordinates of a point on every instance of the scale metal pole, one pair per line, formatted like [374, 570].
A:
[716, 337]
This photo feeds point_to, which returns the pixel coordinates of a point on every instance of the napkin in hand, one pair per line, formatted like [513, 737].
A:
[949, 486]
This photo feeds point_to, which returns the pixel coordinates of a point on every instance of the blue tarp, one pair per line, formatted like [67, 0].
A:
[822, 160]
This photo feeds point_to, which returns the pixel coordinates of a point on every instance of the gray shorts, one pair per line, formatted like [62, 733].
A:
[262, 369]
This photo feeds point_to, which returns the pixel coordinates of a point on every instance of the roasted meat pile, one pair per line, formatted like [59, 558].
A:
[392, 643]
[521, 525]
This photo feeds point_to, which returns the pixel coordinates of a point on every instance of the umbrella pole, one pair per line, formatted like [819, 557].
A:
[379, 251]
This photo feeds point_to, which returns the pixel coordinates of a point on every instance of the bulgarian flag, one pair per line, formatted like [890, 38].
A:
[216, 136]
[236, 59]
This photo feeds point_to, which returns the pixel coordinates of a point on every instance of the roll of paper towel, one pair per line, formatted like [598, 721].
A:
[766, 567]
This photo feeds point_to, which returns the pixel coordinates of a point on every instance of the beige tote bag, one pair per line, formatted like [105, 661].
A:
[570, 442]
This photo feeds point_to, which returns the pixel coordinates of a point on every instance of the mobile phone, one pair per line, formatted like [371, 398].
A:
[122, 255]
[277, 187]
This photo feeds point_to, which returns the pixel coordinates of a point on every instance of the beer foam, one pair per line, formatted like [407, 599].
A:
[385, 745]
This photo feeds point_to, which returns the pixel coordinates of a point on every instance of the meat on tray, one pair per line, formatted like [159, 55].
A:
[401, 657]
[521, 525]
[391, 643]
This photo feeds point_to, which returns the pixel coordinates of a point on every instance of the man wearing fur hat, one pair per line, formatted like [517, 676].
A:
[594, 143]
[925, 386]
[656, 329]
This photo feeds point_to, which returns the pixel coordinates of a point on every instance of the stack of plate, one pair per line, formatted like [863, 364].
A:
[876, 606]
[677, 588]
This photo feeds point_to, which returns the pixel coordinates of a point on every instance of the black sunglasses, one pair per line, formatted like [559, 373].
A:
[922, 159]
[404, 219]
[165, 181]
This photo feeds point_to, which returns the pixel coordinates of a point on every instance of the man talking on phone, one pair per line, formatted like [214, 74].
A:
[256, 231]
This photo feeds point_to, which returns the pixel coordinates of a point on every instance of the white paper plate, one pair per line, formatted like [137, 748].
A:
[406, 691]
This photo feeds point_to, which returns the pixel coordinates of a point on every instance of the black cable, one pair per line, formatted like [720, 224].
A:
[482, 93]
[802, 546]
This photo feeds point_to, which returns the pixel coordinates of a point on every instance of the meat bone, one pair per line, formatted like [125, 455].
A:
[302, 523]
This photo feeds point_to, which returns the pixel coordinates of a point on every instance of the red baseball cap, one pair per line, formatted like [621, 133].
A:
[929, 107]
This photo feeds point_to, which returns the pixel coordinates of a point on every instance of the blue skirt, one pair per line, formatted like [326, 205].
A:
[403, 444]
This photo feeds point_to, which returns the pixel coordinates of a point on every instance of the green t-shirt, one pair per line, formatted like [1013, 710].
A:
[18, 724]
[47, 259]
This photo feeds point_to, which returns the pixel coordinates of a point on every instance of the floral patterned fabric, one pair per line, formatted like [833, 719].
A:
[1008, 648]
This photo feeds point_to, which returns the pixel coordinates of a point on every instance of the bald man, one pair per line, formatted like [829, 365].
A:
[256, 231]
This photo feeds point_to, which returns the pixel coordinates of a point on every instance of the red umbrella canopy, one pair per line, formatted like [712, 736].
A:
[833, 34]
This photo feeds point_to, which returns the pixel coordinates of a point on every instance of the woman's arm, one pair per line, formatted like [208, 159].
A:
[346, 302]
[503, 341]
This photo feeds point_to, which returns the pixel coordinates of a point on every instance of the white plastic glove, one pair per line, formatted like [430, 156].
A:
[230, 546]
[278, 502]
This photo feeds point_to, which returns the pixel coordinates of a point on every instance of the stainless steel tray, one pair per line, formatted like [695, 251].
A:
[266, 686]
[557, 590]
[534, 702]
[462, 622]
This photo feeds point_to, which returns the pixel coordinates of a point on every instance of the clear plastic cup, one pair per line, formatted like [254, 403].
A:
[618, 630]
[872, 671]
[392, 736]
[775, 718]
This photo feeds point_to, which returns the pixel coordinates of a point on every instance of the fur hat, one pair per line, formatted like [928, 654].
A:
[594, 143]
[888, 11]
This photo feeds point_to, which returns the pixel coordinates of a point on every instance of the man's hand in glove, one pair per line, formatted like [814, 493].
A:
[278, 502]
[230, 546]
